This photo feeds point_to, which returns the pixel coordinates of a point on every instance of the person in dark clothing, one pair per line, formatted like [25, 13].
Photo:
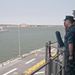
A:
[69, 43]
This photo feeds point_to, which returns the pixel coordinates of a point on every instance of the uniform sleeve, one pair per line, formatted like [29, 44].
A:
[70, 37]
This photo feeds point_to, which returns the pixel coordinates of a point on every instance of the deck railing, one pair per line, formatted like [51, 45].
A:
[52, 65]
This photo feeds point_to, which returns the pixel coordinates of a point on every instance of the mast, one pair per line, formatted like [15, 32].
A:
[74, 13]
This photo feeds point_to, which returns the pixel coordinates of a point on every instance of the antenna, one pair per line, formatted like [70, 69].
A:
[74, 13]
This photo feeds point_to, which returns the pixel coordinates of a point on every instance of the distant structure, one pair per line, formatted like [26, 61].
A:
[74, 13]
[23, 25]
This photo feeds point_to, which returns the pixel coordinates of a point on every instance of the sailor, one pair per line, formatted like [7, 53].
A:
[69, 43]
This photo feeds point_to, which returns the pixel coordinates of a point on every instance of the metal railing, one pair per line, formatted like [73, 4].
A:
[58, 67]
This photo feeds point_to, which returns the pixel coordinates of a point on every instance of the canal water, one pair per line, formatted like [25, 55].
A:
[31, 38]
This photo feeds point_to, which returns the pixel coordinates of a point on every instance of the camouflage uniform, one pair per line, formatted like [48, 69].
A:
[69, 38]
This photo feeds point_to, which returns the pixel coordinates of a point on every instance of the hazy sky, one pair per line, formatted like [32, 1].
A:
[35, 11]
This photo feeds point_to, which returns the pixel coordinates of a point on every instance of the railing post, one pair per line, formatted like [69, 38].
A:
[63, 63]
[58, 66]
[54, 68]
[49, 66]
[55, 65]
[46, 55]
[49, 49]
[49, 59]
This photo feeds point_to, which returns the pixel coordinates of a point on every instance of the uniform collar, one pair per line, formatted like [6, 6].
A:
[69, 27]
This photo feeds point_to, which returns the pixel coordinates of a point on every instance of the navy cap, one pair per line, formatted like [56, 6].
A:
[71, 18]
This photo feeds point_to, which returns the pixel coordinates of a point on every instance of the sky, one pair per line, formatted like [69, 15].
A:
[48, 12]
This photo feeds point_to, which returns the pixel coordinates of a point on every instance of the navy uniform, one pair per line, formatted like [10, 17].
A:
[69, 38]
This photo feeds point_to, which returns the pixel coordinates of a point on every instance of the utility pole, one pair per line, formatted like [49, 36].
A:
[19, 40]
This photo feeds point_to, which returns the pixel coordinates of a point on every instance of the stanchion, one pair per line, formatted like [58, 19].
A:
[49, 59]
[49, 49]
[46, 55]
[63, 63]
[49, 66]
